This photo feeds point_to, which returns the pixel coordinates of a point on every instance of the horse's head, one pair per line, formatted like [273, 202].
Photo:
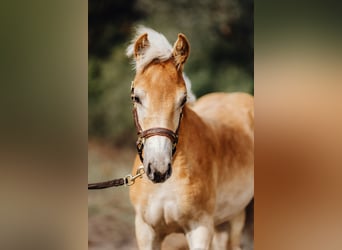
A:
[159, 94]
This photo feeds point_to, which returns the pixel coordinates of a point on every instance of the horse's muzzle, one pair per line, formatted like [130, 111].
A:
[156, 176]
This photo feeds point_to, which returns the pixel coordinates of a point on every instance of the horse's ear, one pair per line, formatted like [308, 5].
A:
[181, 50]
[140, 45]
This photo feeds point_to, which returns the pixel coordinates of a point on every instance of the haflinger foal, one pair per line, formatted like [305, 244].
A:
[198, 157]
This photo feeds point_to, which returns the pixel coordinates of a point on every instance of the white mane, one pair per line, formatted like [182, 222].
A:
[159, 48]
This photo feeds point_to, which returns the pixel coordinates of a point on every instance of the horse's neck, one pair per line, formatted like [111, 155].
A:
[196, 140]
[191, 124]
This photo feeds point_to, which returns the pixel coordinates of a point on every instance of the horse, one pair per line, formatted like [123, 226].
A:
[198, 155]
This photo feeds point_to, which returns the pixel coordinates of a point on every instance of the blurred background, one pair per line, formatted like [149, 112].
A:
[221, 59]
[44, 133]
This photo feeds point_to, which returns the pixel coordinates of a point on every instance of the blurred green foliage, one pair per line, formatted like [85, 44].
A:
[221, 59]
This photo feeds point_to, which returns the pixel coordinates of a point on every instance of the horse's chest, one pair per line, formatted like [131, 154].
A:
[162, 208]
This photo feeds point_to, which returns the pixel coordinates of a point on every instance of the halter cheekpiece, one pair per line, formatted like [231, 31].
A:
[144, 134]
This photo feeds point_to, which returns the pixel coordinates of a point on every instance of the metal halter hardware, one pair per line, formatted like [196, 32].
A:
[128, 180]
[144, 134]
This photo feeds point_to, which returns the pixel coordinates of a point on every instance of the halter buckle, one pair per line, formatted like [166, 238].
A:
[130, 180]
[140, 143]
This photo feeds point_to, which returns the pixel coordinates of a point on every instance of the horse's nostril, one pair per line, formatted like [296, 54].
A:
[149, 169]
[158, 177]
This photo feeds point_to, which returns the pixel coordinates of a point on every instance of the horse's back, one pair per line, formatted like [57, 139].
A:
[226, 109]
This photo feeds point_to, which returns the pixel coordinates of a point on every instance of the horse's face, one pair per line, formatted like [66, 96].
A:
[159, 96]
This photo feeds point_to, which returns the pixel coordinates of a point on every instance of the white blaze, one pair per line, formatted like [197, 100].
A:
[158, 152]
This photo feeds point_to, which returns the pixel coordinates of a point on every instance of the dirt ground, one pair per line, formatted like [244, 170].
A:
[110, 213]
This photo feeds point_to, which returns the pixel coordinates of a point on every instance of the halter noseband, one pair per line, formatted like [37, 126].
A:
[144, 134]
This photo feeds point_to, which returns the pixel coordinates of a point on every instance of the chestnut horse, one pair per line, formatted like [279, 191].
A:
[198, 156]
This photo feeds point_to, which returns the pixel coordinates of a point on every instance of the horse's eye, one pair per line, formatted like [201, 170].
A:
[183, 101]
[136, 99]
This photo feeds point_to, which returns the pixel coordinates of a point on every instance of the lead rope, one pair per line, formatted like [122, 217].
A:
[128, 180]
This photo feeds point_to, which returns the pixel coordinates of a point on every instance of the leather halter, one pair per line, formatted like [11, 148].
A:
[144, 134]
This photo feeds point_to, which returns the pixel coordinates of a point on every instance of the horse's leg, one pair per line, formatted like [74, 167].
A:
[200, 234]
[146, 236]
[220, 240]
[236, 226]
